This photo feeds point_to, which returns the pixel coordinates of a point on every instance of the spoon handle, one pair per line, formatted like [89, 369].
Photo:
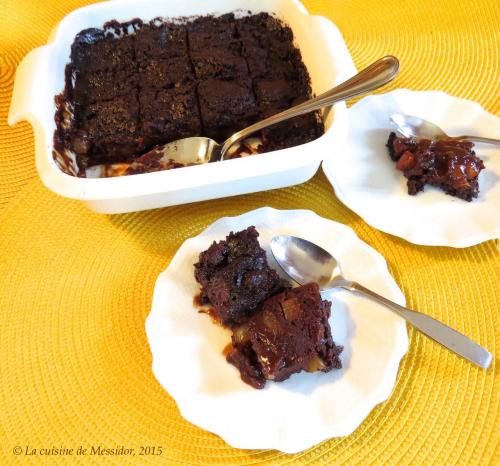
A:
[434, 329]
[480, 139]
[374, 76]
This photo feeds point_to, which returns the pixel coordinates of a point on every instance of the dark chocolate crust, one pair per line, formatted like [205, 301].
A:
[448, 164]
[235, 277]
[132, 86]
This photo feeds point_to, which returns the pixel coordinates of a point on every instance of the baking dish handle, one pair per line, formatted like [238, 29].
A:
[30, 86]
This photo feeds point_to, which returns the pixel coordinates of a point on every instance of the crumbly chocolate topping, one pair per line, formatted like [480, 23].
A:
[235, 277]
[132, 86]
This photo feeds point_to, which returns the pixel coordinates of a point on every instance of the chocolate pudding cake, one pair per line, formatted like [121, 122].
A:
[448, 164]
[132, 86]
[276, 330]
[235, 277]
[290, 333]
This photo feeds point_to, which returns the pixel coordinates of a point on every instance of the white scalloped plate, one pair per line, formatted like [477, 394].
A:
[366, 180]
[308, 408]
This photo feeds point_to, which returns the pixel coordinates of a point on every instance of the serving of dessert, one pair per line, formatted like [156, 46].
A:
[448, 164]
[251, 343]
[460, 177]
[276, 330]
[131, 86]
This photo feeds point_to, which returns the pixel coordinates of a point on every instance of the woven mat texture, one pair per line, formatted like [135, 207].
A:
[76, 287]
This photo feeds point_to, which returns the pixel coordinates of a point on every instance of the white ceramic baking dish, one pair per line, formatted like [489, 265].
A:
[40, 76]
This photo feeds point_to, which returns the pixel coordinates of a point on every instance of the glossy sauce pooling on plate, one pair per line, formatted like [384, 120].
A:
[448, 164]
[132, 86]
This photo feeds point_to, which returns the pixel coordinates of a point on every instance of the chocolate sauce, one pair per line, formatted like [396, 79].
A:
[449, 164]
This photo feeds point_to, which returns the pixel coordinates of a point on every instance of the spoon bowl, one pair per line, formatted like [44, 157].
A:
[304, 261]
[412, 126]
[188, 151]
[307, 262]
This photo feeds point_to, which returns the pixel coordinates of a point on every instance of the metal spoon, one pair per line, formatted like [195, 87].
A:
[198, 150]
[306, 262]
[411, 126]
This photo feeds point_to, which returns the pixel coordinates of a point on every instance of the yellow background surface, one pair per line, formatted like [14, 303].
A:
[75, 287]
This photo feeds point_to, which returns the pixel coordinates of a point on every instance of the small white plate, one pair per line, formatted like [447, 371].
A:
[308, 408]
[365, 179]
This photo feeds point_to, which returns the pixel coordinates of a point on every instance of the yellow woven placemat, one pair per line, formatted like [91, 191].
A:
[75, 287]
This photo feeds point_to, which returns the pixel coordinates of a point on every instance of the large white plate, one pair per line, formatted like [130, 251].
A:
[366, 180]
[307, 408]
